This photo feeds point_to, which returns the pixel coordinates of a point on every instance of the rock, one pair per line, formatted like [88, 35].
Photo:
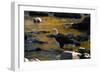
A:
[84, 53]
[69, 55]
[66, 55]
[26, 60]
[83, 26]
[34, 59]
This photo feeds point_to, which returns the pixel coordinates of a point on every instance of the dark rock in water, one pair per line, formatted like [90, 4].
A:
[43, 32]
[29, 39]
[57, 50]
[88, 51]
[85, 56]
[34, 32]
[38, 49]
[82, 37]
[84, 52]
[82, 56]
[83, 26]
[39, 42]
[63, 39]
[66, 55]
[27, 35]
[39, 32]
[81, 50]
[33, 49]
[70, 36]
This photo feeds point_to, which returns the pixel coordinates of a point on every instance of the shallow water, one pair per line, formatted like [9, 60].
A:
[47, 25]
